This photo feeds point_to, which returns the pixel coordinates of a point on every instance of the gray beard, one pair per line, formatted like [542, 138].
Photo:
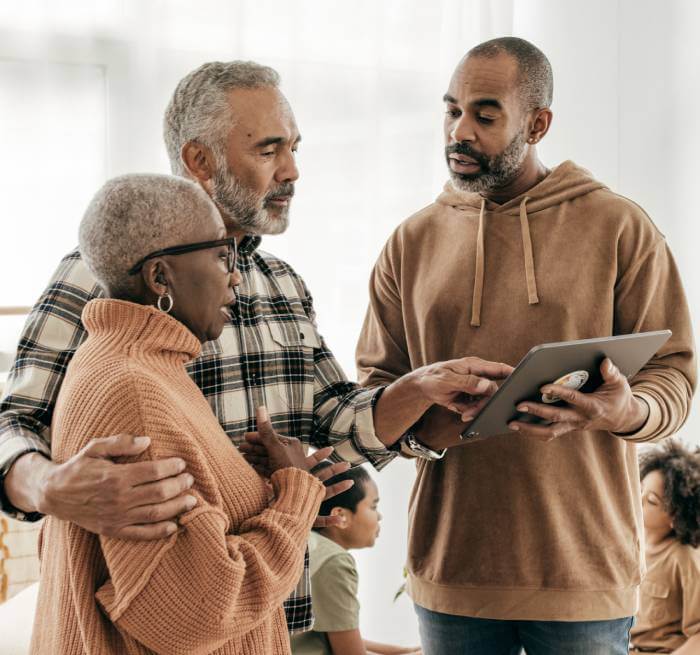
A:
[502, 169]
[244, 209]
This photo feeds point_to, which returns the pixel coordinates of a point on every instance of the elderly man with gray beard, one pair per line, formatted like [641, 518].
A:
[228, 128]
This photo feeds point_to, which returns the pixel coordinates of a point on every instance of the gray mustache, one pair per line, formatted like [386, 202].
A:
[281, 190]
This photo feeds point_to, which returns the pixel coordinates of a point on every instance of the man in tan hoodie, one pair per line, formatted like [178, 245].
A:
[530, 539]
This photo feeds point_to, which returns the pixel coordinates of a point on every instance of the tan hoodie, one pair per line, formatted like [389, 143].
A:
[511, 528]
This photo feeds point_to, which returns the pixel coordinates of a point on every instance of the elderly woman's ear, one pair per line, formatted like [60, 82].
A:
[156, 280]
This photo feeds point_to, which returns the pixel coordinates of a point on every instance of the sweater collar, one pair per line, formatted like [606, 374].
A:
[127, 325]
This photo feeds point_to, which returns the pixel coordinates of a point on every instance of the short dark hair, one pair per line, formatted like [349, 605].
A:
[680, 468]
[535, 72]
[351, 498]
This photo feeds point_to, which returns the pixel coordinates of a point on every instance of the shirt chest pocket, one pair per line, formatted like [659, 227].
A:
[655, 601]
[289, 364]
[296, 334]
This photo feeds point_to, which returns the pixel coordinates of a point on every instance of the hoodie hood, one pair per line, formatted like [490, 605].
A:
[563, 183]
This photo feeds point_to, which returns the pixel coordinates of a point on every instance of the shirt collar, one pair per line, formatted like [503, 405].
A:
[248, 244]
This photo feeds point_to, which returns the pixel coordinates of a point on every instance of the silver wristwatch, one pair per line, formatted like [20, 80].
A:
[420, 450]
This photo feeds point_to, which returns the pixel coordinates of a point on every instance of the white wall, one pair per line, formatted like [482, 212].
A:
[365, 80]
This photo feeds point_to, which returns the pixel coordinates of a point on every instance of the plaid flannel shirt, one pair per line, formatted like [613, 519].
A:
[270, 354]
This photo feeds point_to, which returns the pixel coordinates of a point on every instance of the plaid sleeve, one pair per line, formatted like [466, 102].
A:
[50, 336]
[343, 411]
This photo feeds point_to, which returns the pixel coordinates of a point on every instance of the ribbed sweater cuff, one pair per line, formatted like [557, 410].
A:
[297, 492]
[651, 426]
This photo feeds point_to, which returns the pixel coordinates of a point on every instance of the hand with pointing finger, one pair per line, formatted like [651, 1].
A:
[611, 407]
[461, 385]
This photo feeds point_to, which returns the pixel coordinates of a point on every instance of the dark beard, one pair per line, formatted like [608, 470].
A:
[496, 171]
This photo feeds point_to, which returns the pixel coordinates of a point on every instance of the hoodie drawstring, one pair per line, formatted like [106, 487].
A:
[527, 255]
[479, 269]
[532, 296]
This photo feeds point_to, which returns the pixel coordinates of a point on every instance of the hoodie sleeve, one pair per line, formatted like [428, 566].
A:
[382, 353]
[649, 296]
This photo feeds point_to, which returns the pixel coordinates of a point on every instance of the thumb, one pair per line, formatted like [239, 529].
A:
[118, 445]
[611, 374]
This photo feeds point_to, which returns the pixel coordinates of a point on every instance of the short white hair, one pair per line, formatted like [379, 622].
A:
[200, 111]
[134, 215]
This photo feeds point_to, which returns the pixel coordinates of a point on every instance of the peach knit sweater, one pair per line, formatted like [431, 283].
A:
[215, 586]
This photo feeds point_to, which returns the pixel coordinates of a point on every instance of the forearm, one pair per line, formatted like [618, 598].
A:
[383, 649]
[398, 408]
[232, 575]
[24, 483]
[690, 647]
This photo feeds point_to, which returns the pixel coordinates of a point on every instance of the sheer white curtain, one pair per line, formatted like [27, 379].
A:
[83, 85]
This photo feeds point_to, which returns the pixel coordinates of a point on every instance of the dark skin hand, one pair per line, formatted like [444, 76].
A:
[266, 451]
[611, 407]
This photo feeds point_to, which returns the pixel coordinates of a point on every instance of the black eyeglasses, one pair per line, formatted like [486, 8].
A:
[191, 247]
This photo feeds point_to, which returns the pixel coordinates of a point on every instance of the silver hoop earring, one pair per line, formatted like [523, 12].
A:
[159, 304]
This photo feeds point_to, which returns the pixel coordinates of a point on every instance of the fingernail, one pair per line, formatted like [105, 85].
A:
[142, 441]
[452, 408]
[522, 408]
[262, 413]
[483, 385]
[190, 480]
[172, 528]
[467, 417]
[191, 502]
[514, 427]
[182, 465]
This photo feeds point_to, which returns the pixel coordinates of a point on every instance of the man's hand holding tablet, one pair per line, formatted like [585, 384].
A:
[611, 407]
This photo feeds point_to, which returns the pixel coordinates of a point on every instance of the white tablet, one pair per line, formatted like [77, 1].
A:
[573, 363]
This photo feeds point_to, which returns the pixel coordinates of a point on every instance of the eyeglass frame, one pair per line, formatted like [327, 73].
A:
[191, 247]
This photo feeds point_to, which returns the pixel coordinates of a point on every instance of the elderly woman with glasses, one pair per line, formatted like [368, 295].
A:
[158, 247]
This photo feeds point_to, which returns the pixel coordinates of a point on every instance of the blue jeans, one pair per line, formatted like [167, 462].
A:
[446, 634]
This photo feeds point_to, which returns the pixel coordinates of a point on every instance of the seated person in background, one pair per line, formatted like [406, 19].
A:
[669, 616]
[216, 584]
[334, 576]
